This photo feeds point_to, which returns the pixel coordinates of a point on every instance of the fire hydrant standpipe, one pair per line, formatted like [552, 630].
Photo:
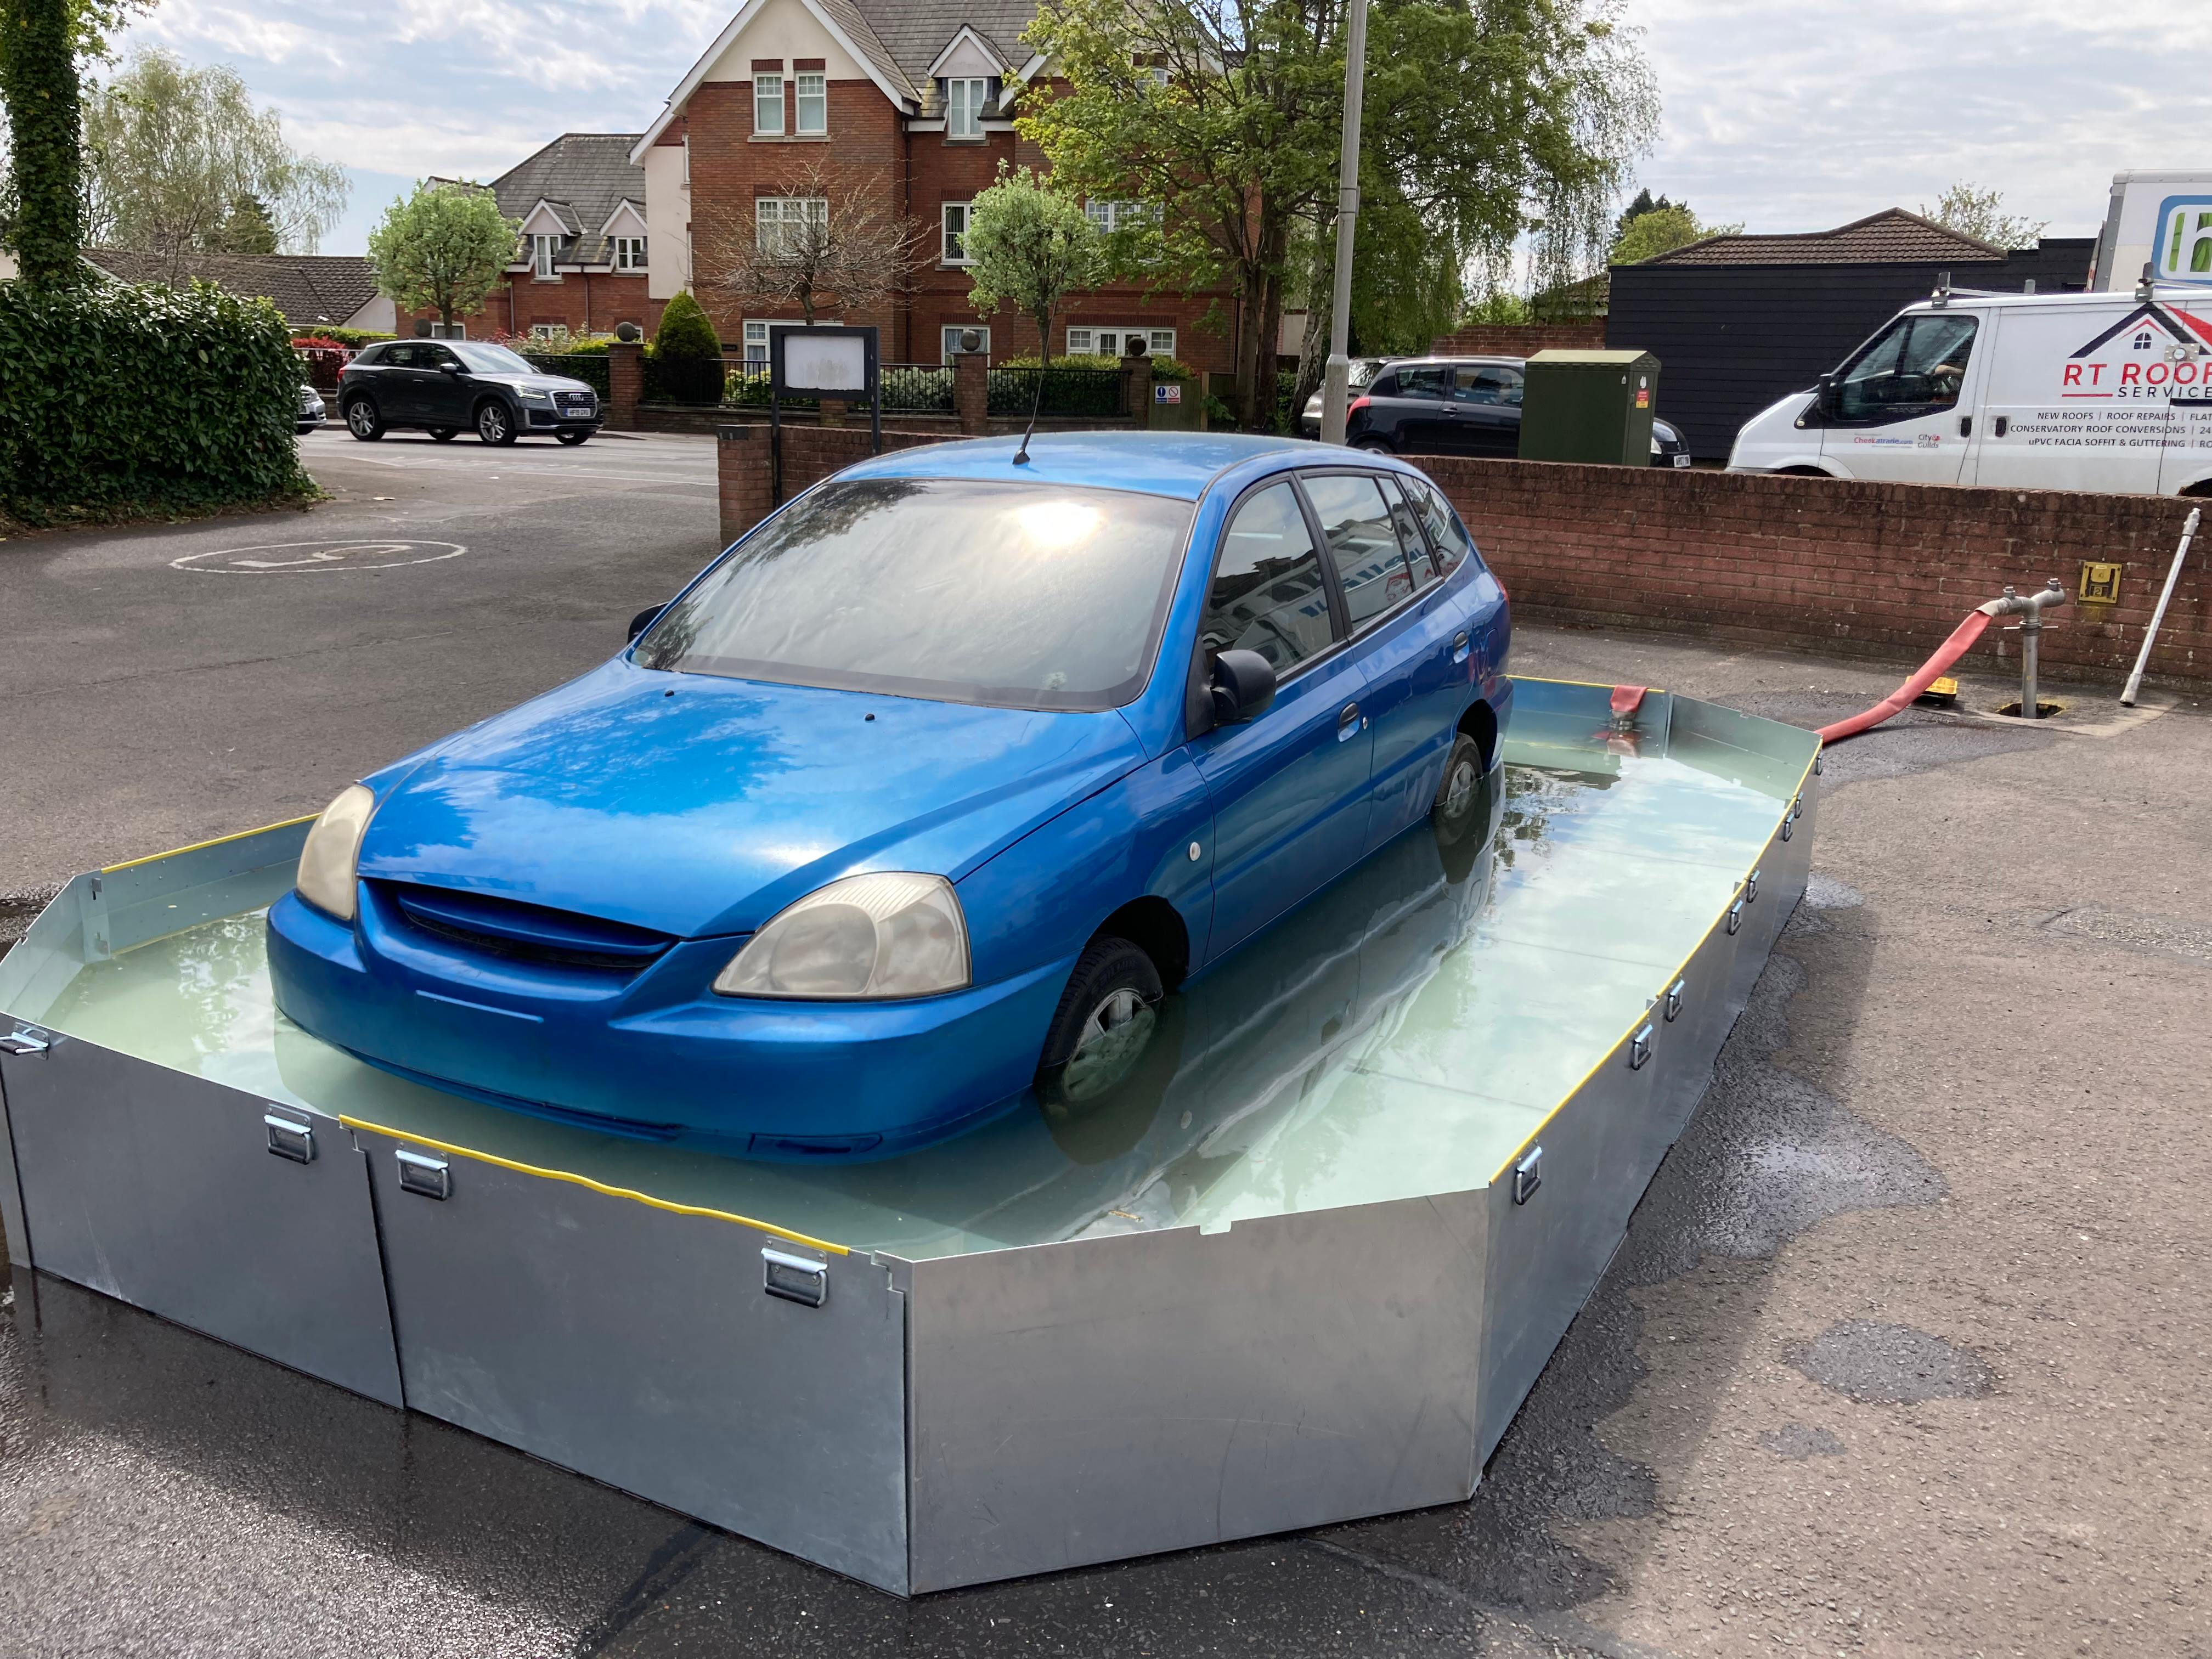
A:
[1962, 639]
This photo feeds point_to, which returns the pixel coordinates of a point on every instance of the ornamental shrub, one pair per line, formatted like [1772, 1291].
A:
[116, 398]
[685, 331]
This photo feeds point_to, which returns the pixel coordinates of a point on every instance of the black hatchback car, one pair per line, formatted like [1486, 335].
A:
[1449, 406]
[446, 387]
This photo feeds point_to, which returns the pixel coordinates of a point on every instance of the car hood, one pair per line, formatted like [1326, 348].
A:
[534, 382]
[705, 811]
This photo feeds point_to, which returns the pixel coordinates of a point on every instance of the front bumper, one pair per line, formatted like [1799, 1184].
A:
[537, 418]
[658, 1056]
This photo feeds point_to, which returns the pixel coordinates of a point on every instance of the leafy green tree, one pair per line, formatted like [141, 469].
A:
[39, 41]
[442, 247]
[1650, 229]
[179, 160]
[1032, 245]
[1484, 120]
[1980, 214]
[685, 331]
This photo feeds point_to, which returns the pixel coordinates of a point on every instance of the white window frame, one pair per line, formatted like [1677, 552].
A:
[965, 97]
[781, 211]
[949, 338]
[755, 342]
[947, 236]
[812, 88]
[1158, 342]
[630, 253]
[1110, 217]
[767, 93]
[542, 249]
[1082, 341]
[548, 330]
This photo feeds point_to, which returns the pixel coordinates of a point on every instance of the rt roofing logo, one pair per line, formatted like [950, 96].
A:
[2157, 351]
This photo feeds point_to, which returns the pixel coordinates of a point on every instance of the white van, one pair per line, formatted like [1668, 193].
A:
[2100, 392]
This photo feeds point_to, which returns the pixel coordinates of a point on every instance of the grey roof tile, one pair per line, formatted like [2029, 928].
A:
[309, 289]
[916, 31]
[583, 176]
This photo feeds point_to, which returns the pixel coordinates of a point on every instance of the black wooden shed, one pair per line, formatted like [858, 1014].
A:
[1738, 321]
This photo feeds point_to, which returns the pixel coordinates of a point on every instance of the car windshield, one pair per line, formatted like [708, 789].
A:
[1024, 596]
[489, 359]
[1364, 371]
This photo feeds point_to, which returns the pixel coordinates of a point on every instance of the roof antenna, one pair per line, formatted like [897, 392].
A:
[1022, 455]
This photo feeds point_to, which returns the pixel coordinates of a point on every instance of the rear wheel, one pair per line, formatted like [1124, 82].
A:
[572, 439]
[1457, 812]
[1104, 1023]
[1374, 445]
[362, 420]
[494, 425]
[444, 434]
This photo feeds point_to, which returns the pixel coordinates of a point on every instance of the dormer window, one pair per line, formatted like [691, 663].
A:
[630, 253]
[767, 105]
[965, 100]
[541, 257]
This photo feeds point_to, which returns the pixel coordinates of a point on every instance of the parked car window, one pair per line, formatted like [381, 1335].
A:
[1446, 533]
[1916, 366]
[483, 358]
[369, 357]
[1486, 383]
[1021, 596]
[433, 356]
[401, 356]
[1408, 525]
[1268, 594]
[1425, 380]
[1355, 522]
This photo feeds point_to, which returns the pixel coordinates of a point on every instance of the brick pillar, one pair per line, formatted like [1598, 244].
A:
[971, 393]
[743, 478]
[625, 383]
[1140, 386]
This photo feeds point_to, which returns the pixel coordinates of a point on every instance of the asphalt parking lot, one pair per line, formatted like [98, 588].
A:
[1905, 1353]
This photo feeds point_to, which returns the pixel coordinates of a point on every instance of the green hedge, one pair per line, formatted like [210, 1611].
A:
[115, 398]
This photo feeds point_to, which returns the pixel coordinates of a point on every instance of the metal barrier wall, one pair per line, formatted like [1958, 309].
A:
[1134, 1371]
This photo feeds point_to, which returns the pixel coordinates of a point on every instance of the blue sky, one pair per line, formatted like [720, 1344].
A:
[1784, 114]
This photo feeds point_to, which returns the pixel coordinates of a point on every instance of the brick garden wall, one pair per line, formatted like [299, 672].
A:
[1520, 339]
[1878, 569]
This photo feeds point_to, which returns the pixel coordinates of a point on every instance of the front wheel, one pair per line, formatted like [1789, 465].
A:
[444, 434]
[1374, 445]
[494, 425]
[572, 439]
[363, 422]
[1104, 1022]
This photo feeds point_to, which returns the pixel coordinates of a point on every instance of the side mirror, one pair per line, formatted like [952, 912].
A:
[450, 368]
[1823, 395]
[1243, 687]
[643, 620]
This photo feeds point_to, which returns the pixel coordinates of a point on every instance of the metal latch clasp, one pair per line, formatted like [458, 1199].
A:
[1639, 1049]
[25, 1041]
[287, 1137]
[420, 1173]
[794, 1278]
[1528, 1176]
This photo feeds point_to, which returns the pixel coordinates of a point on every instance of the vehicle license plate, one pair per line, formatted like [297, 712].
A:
[1681, 460]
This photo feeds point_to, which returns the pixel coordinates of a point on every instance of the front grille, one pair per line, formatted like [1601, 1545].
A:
[575, 403]
[508, 928]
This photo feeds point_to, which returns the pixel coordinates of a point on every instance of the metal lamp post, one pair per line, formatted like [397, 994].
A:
[1336, 378]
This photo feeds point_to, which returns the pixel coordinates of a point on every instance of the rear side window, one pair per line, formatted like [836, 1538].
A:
[1426, 380]
[1268, 594]
[1487, 383]
[1407, 523]
[397, 357]
[1355, 521]
[1446, 534]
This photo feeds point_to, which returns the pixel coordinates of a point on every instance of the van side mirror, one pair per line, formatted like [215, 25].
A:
[1824, 394]
[1243, 687]
[644, 620]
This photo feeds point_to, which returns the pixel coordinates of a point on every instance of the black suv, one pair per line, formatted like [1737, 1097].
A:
[444, 386]
[1449, 406]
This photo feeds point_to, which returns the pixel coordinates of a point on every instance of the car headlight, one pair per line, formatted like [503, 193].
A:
[532, 395]
[889, 934]
[326, 862]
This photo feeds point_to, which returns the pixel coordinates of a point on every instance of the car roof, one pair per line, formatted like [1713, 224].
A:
[1180, 465]
[1455, 362]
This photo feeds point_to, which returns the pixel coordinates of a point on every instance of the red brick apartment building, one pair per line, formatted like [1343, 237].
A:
[908, 97]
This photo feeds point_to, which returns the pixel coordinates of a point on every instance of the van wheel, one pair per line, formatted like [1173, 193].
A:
[1104, 1023]
[363, 422]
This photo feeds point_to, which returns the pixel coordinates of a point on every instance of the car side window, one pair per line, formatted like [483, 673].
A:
[1355, 522]
[1487, 383]
[1425, 380]
[1446, 534]
[397, 356]
[1407, 523]
[433, 356]
[1268, 594]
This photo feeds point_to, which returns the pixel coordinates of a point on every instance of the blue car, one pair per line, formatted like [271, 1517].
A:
[917, 802]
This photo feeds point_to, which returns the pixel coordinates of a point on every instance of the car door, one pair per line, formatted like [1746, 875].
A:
[1420, 418]
[1487, 399]
[1404, 641]
[1902, 407]
[391, 382]
[442, 391]
[1289, 789]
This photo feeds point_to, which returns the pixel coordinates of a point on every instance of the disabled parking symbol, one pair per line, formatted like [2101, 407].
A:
[295, 558]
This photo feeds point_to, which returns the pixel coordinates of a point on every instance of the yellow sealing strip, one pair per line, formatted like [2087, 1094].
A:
[1643, 1018]
[596, 1186]
[110, 869]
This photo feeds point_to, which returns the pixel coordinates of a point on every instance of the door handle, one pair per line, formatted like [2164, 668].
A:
[2004, 420]
[1348, 722]
[1965, 426]
[1459, 646]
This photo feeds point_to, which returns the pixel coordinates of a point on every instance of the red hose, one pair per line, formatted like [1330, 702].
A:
[1962, 637]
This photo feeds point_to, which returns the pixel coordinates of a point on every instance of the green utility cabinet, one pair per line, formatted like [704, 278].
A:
[1590, 406]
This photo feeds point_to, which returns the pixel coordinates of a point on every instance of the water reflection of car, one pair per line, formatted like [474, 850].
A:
[446, 387]
[1449, 406]
[828, 878]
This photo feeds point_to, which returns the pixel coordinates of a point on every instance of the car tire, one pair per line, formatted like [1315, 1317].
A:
[444, 434]
[572, 439]
[495, 422]
[362, 420]
[1457, 812]
[1375, 445]
[1104, 1023]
